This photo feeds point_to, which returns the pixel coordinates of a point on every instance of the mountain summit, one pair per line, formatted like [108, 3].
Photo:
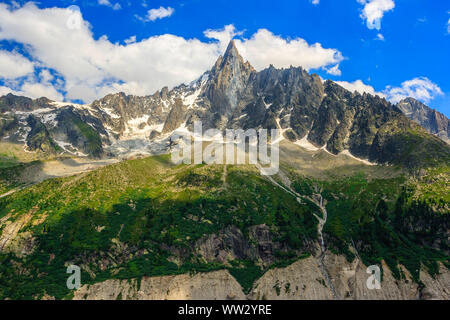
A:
[432, 120]
[230, 75]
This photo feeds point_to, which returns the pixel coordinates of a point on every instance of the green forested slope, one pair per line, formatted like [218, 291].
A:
[148, 217]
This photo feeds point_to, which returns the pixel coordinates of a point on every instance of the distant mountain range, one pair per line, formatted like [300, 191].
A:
[231, 95]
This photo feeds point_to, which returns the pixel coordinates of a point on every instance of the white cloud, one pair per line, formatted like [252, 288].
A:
[34, 90]
[130, 40]
[160, 13]
[334, 70]
[265, 48]
[5, 90]
[374, 10]
[359, 86]
[421, 88]
[33, 87]
[315, 2]
[107, 3]
[91, 68]
[14, 65]
[38, 90]
[223, 35]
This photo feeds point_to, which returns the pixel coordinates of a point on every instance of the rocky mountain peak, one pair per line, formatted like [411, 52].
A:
[432, 120]
[232, 55]
[232, 63]
[230, 76]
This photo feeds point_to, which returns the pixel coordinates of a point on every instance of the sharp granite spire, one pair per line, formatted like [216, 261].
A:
[233, 58]
[229, 76]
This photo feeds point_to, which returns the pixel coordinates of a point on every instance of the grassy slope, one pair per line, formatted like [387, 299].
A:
[143, 204]
[135, 206]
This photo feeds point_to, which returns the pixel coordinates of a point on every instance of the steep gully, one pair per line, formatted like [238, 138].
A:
[322, 221]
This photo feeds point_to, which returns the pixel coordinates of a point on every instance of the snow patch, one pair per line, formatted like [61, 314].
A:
[49, 119]
[37, 111]
[132, 130]
[110, 112]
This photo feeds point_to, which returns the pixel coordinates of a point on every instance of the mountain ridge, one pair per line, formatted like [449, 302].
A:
[231, 95]
[432, 120]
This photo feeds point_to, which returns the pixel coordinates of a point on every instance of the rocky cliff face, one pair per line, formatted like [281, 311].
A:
[302, 280]
[218, 285]
[432, 120]
[228, 81]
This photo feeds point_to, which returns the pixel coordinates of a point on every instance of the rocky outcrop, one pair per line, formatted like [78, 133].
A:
[11, 102]
[175, 117]
[432, 120]
[39, 137]
[231, 244]
[302, 280]
[13, 237]
[217, 285]
[228, 80]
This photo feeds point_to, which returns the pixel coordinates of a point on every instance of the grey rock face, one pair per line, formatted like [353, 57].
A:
[432, 120]
[228, 80]
[175, 117]
[231, 244]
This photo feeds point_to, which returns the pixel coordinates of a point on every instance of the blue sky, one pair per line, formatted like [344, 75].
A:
[391, 47]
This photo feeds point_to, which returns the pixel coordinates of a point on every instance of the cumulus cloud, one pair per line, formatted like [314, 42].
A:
[223, 35]
[360, 87]
[374, 10]
[14, 65]
[422, 89]
[334, 70]
[160, 13]
[38, 90]
[265, 48]
[315, 2]
[34, 86]
[5, 90]
[130, 40]
[89, 68]
[34, 90]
